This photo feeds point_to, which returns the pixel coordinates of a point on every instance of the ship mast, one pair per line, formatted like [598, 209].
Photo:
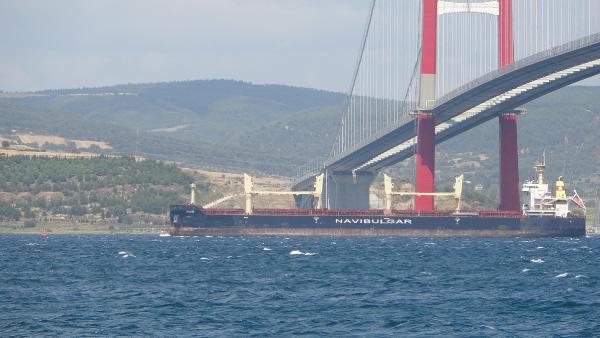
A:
[539, 169]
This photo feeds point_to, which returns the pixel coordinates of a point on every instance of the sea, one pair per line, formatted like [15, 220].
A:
[146, 285]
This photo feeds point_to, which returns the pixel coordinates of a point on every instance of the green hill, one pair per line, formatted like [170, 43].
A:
[238, 126]
[92, 190]
[218, 123]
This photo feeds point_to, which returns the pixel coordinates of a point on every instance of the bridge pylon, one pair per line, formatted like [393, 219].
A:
[425, 160]
[509, 162]
[425, 156]
[509, 149]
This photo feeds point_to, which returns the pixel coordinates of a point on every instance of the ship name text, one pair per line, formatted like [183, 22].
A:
[372, 221]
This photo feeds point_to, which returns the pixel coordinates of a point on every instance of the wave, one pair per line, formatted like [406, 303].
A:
[298, 252]
[125, 254]
[537, 260]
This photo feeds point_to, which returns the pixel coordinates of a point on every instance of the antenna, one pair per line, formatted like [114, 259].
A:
[544, 158]
[137, 136]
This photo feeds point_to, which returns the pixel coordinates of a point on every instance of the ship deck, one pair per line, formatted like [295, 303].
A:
[354, 212]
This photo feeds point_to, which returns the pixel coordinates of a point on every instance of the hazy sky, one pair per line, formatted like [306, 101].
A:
[85, 43]
[72, 43]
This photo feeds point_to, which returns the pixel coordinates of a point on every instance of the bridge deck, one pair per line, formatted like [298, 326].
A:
[477, 102]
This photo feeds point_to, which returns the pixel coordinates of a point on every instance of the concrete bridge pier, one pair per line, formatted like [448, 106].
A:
[304, 201]
[509, 163]
[347, 191]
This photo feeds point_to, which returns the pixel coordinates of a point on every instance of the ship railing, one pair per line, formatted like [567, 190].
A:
[223, 211]
[492, 213]
[346, 212]
[288, 212]
[342, 212]
[433, 213]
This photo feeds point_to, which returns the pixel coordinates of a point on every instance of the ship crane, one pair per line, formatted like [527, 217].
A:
[389, 187]
[249, 192]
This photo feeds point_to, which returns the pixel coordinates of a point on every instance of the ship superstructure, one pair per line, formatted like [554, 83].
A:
[540, 199]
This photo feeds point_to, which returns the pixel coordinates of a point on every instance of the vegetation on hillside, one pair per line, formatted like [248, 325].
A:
[237, 126]
[95, 189]
[213, 123]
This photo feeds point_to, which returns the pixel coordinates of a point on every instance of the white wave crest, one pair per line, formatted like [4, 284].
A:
[298, 252]
[266, 249]
[561, 275]
[125, 254]
[537, 260]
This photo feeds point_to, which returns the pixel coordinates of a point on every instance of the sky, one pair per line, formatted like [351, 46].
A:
[72, 43]
[89, 43]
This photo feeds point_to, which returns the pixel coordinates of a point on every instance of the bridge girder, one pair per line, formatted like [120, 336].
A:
[543, 65]
[503, 81]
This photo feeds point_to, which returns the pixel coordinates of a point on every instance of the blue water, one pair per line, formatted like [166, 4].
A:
[118, 285]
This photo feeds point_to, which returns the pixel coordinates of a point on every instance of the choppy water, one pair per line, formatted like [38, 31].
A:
[69, 285]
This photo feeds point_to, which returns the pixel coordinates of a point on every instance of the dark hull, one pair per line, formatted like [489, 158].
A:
[188, 220]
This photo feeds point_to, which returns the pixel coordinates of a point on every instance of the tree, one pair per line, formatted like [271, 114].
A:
[5, 144]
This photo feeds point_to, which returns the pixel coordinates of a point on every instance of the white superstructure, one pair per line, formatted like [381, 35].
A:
[540, 200]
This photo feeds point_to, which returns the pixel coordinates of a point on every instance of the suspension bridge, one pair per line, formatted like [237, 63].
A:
[429, 70]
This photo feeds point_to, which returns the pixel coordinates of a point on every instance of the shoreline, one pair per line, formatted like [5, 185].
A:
[81, 229]
[100, 232]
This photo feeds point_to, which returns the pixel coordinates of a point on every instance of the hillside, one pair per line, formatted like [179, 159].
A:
[90, 190]
[109, 193]
[216, 123]
[237, 126]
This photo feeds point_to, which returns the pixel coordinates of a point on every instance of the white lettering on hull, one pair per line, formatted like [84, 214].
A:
[373, 221]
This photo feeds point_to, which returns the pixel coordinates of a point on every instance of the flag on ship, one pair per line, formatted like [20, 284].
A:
[577, 200]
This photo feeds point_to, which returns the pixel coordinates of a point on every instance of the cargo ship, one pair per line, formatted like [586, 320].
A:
[543, 215]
